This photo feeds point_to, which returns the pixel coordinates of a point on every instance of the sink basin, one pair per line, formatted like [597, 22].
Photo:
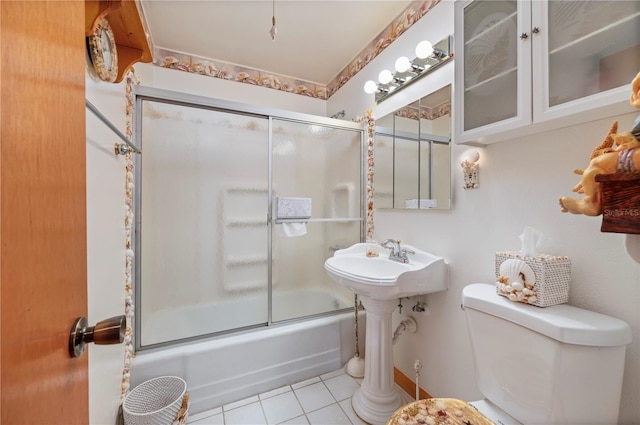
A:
[381, 278]
[381, 282]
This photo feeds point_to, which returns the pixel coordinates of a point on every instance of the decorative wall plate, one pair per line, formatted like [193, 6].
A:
[102, 51]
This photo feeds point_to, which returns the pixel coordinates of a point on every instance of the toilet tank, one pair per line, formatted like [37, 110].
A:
[553, 365]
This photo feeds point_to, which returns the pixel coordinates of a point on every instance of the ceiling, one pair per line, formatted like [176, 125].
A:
[316, 39]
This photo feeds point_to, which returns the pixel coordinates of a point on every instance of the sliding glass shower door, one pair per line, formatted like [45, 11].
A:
[211, 255]
[323, 164]
[202, 220]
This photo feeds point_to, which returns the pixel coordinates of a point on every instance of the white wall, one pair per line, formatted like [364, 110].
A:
[170, 79]
[105, 244]
[520, 183]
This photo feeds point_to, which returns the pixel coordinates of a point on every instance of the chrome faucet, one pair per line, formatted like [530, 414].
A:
[397, 253]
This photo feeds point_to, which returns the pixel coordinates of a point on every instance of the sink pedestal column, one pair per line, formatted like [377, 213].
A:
[377, 398]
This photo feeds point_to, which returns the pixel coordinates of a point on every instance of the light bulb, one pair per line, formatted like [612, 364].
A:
[370, 87]
[424, 49]
[403, 64]
[385, 76]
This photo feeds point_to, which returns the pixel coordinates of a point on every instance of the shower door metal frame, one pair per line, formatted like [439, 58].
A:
[142, 93]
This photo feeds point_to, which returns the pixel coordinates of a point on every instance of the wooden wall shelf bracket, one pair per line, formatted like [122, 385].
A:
[128, 30]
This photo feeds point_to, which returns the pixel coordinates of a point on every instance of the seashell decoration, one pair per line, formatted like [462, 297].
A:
[517, 281]
[517, 270]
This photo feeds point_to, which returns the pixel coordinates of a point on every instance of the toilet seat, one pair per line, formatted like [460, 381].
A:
[493, 412]
[437, 410]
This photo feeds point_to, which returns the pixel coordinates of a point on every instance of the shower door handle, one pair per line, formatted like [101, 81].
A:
[108, 331]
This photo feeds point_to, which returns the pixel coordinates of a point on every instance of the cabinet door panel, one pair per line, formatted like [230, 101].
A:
[590, 47]
[492, 53]
[483, 15]
[495, 65]
[599, 42]
[491, 102]
[529, 66]
[576, 21]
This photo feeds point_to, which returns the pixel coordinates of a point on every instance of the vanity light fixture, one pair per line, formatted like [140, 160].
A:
[428, 58]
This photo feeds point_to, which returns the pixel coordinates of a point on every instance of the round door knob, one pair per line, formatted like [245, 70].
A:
[535, 30]
[524, 36]
[108, 331]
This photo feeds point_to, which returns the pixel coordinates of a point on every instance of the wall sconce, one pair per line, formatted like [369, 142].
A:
[470, 167]
[428, 58]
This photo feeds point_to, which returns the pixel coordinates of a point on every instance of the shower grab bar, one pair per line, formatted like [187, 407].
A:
[310, 220]
[119, 149]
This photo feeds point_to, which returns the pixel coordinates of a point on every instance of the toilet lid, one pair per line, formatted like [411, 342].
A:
[562, 322]
[438, 411]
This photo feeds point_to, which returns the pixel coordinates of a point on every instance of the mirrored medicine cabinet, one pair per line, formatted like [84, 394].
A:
[413, 155]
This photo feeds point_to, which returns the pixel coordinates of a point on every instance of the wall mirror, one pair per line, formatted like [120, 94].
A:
[413, 155]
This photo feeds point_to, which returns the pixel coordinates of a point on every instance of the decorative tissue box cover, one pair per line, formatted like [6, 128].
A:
[552, 275]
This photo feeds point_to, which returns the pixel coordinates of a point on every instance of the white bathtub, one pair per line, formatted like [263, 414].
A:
[224, 369]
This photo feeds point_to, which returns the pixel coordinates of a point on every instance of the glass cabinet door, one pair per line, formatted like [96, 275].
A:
[541, 64]
[493, 67]
[490, 62]
[591, 47]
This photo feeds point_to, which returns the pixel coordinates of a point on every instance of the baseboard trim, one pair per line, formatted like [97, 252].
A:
[404, 382]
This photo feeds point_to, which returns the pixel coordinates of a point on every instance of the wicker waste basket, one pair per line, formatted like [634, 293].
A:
[154, 402]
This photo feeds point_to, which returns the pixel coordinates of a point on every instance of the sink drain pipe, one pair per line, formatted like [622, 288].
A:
[407, 325]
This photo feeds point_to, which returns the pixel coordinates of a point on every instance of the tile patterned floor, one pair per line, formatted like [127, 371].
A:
[323, 400]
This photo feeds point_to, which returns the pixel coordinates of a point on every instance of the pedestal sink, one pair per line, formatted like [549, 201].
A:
[379, 282]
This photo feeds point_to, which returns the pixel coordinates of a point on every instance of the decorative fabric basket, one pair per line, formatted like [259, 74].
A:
[158, 401]
[542, 281]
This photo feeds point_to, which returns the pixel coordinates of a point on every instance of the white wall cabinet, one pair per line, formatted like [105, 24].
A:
[528, 66]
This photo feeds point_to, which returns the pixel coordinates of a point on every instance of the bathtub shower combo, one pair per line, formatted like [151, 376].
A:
[225, 298]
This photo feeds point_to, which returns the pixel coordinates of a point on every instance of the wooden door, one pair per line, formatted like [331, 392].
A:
[42, 211]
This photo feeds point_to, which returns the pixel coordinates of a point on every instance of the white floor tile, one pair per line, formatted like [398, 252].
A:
[309, 402]
[206, 414]
[300, 420]
[314, 396]
[250, 414]
[331, 414]
[348, 409]
[281, 408]
[305, 383]
[332, 374]
[275, 392]
[342, 386]
[240, 403]
[209, 420]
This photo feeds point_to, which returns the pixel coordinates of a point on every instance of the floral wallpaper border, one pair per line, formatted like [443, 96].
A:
[412, 14]
[219, 69]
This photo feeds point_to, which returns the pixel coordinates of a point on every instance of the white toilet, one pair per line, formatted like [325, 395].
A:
[553, 365]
